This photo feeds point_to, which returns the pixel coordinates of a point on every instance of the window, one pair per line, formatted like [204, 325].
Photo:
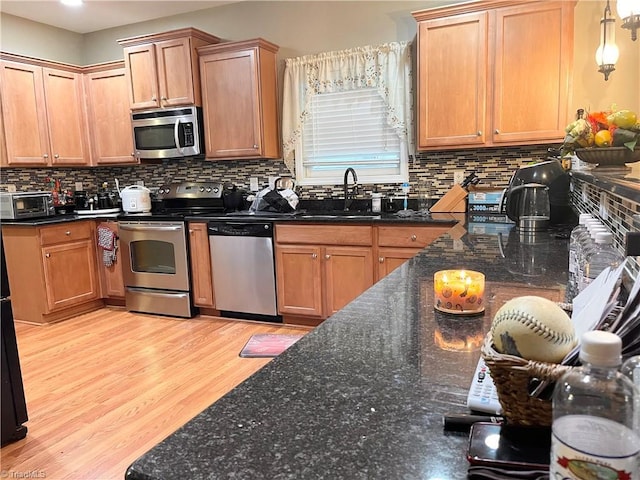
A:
[348, 109]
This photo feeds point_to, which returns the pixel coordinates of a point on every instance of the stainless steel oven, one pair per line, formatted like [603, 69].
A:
[156, 267]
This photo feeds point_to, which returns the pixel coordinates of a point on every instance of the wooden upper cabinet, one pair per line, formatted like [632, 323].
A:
[108, 114]
[452, 91]
[239, 97]
[494, 72]
[44, 115]
[24, 113]
[65, 117]
[533, 70]
[162, 69]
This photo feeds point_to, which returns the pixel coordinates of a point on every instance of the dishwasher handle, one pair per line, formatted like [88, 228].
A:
[240, 229]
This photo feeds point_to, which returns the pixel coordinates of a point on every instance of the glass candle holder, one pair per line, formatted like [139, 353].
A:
[459, 292]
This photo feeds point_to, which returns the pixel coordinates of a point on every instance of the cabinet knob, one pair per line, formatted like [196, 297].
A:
[413, 238]
[380, 259]
[56, 156]
[327, 256]
[46, 155]
[255, 145]
[164, 99]
[67, 233]
[153, 99]
[314, 255]
[497, 132]
[133, 154]
[47, 255]
[479, 133]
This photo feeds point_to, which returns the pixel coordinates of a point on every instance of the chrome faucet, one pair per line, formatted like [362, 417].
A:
[347, 200]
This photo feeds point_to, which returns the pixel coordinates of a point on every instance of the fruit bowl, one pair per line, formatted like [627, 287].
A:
[607, 157]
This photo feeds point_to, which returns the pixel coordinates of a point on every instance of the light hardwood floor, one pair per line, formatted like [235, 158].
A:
[104, 387]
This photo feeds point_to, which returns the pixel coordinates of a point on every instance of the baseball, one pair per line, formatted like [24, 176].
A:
[533, 328]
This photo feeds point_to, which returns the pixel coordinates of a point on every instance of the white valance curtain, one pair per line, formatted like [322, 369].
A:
[386, 67]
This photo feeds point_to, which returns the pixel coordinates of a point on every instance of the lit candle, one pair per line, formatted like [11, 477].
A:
[458, 291]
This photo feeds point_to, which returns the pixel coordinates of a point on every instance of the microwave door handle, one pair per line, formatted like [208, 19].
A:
[176, 129]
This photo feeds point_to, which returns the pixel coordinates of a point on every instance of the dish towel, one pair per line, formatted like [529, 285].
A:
[107, 240]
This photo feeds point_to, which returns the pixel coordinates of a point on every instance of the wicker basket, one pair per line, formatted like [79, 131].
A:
[513, 378]
[608, 157]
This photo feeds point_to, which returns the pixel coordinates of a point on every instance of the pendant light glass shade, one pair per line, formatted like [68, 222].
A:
[607, 53]
[629, 13]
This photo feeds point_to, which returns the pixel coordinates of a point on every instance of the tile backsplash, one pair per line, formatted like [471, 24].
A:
[494, 166]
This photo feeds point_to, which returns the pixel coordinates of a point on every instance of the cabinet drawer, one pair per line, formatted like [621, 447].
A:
[66, 232]
[411, 236]
[361, 235]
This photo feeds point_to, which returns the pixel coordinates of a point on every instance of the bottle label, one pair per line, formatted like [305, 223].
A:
[585, 447]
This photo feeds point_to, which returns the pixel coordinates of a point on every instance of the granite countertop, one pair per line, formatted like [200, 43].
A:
[363, 395]
[622, 182]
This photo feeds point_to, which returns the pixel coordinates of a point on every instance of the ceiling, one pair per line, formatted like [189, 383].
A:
[96, 15]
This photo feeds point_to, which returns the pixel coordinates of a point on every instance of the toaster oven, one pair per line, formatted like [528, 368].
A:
[25, 205]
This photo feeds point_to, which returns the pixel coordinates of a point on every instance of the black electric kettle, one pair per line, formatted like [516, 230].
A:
[551, 174]
[528, 206]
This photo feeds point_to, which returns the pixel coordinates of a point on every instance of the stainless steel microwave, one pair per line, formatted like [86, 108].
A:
[168, 133]
[24, 205]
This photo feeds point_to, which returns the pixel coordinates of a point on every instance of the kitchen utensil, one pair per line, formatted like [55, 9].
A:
[136, 199]
[529, 207]
[284, 183]
[551, 174]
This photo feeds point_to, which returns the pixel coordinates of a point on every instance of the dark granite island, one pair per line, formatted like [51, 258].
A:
[363, 395]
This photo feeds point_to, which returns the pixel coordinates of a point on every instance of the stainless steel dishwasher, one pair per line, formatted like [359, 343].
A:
[243, 268]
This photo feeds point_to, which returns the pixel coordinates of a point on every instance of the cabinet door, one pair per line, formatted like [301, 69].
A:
[109, 117]
[200, 257]
[112, 279]
[142, 76]
[391, 258]
[452, 85]
[175, 78]
[533, 61]
[231, 104]
[299, 280]
[65, 117]
[24, 114]
[348, 273]
[70, 274]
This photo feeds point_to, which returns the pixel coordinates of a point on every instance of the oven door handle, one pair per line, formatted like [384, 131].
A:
[176, 129]
[158, 294]
[147, 228]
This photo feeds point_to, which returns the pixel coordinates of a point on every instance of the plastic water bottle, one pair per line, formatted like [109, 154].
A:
[579, 230]
[586, 241]
[601, 256]
[593, 415]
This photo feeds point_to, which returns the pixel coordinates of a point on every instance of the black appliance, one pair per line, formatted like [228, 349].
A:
[14, 407]
[551, 174]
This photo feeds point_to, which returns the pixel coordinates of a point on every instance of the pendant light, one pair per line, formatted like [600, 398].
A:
[607, 53]
[629, 12]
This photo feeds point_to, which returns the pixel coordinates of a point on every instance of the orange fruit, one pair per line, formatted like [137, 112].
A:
[603, 138]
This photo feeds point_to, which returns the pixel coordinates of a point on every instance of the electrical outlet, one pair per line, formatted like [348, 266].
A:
[458, 177]
[140, 182]
[253, 184]
[79, 187]
[272, 182]
[10, 187]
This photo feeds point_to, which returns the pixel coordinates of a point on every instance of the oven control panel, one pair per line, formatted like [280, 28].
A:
[190, 190]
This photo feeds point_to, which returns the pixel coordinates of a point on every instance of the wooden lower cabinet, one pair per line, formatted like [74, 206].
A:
[200, 258]
[52, 270]
[397, 244]
[111, 278]
[321, 268]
